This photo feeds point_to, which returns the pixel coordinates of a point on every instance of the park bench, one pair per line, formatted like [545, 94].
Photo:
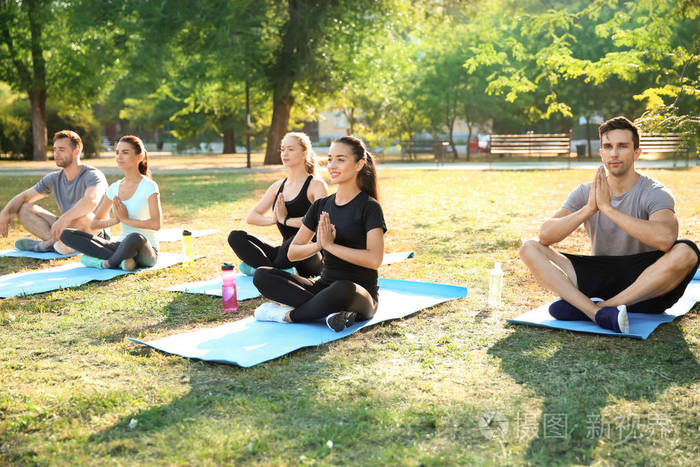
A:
[662, 143]
[659, 143]
[411, 148]
[438, 148]
[531, 143]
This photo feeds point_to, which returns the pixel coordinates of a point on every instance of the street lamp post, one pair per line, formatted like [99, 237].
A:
[247, 123]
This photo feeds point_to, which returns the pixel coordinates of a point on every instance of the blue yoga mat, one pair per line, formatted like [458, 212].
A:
[245, 290]
[696, 277]
[167, 235]
[641, 324]
[45, 255]
[68, 275]
[244, 284]
[248, 342]
[390, 258]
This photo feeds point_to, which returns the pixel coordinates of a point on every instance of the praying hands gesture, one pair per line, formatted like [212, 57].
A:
[325, 234]
[599, 196]
[120, 211]
[601, 189]
[280, 209]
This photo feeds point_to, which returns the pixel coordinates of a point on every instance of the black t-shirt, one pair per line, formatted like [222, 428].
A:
[352, 221]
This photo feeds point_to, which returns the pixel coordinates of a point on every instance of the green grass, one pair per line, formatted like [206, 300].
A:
[408, 392]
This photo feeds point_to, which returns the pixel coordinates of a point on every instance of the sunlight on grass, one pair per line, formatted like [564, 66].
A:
[453, 384]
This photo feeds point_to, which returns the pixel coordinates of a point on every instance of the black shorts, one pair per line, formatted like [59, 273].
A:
[606, 276]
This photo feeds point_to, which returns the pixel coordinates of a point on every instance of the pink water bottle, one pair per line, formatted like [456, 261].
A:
[228, 287]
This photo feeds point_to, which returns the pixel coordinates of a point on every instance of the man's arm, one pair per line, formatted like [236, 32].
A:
[563, 222]
[82, 208]
[659, 232]
[12, 208]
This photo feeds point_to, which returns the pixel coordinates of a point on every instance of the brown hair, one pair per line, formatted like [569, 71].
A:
[620, 123]
[305, 142]
[74, 138]
[140, 148]
[367, 177]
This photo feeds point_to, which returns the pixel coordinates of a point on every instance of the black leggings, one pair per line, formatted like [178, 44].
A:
[257, 253]
[314, 299]
[133, 245]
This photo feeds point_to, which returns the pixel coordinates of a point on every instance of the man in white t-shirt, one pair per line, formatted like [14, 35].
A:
[77, 188]
[638, 264]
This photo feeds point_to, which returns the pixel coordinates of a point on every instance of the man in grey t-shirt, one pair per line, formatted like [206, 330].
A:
[77, 188]
[638, 264]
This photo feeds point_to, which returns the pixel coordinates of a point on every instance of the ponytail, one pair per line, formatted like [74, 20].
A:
[367, 177]
[140, 148]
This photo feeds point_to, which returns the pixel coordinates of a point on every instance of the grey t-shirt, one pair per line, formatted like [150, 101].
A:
[70, 192]
[642, 200]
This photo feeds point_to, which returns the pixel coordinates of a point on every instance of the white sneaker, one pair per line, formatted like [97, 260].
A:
[623, 320]
[272, 311]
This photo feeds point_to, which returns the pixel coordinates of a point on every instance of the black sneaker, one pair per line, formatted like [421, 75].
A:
[341, 320]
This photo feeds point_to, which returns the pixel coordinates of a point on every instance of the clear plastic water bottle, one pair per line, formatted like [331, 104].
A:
[187, 247]
[495, 285]
[228, 287]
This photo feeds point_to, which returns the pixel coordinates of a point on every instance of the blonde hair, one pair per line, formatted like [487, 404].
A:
[305, 142]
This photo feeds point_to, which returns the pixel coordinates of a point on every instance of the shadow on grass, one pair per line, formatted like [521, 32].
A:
[582, 379]
[277, 412]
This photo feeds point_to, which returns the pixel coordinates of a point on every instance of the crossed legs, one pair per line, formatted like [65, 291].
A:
[38, 221]
[556, 273]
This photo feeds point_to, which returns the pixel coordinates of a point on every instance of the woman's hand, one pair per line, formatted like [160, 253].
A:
[120, 211]
[280, 209]
[325, 234]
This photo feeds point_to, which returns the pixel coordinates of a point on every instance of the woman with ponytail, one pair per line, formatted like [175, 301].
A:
[135, 203]
[348, 228]
[286, 200]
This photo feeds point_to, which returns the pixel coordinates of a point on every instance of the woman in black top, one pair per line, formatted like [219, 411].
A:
[287, 200]
[349, 230]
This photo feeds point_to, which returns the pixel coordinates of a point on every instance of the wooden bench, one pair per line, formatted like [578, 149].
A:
[531, 143]
[662, 143]
[412, 148]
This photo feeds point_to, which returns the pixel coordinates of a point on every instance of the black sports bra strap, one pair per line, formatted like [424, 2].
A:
[278, 192]
[281, 186]
[305, 188]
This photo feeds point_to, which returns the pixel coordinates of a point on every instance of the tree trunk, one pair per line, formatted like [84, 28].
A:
[469, 142]
[451, 127]
[229, 138]
[38, 102]
[282, 108]
[37, 89]
[350, 117]
[588, 136]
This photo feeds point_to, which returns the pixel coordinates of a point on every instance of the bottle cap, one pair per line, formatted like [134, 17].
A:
[227, 266]
[186, 232]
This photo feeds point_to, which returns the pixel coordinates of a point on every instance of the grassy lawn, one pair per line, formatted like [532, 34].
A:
[454, 384]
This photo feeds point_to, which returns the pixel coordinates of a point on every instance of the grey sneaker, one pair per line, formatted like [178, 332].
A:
[31, 244]
[341, 320]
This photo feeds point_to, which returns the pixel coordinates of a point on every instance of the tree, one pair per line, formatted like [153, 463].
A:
[313, 36]
[645, 50]
[43, 51]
